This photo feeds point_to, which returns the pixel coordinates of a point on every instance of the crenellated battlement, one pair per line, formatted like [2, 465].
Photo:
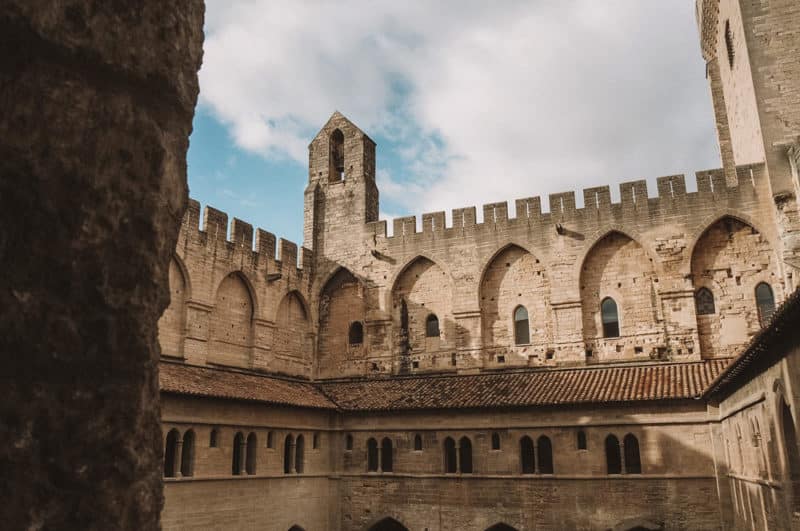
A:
[239, 236]
[672, 196]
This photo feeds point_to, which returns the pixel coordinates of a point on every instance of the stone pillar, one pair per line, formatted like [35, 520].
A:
[177, 472]
[98, 99]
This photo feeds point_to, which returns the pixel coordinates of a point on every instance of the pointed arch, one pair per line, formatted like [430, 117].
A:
[514, 278]
[231, 321]
[171, 453]
[292, 336]
[421, 289]
[605, 232]
[618, 268]
[716, 217]
[342, 302]
[172, 323]
[729, 258]
[527, 457]
[387, 524]
[500, 526]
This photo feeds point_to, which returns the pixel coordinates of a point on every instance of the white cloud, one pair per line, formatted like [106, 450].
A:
[485, 101]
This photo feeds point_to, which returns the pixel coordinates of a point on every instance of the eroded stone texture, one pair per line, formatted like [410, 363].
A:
[97, 99]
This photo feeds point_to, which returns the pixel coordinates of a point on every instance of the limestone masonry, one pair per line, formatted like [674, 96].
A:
[617, 366]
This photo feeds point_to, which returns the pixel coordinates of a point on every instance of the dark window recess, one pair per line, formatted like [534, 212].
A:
[386, 455]
[610, 317]
[522, 334]
[348, 442]
[299, 454]
[372, 455]
[356, 334]
[213, 439]
[187, 454]
[417, 443]
[526, 456]
[170, 453]
[252, 454]
[287, 454]
[432, 326]
[581, 440]
[613, 456]
[495, 441]
[450, 458]
[236, 461]
[633, 463]
[544, 455]
[465, 455]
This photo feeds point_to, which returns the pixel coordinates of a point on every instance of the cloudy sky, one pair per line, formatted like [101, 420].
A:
[469, 102]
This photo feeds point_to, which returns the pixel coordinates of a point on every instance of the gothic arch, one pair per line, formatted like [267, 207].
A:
[172, 323]
[728, 258]
[618, 267]
[342, 302]
[603, 233]
[293, 332]
[422, 288]
[709, 221]
[231, 321]
[410, 263]
[514, 278]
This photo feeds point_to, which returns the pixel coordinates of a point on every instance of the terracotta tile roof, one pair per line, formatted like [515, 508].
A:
[771, 344]
[220, 383]
[614, 384]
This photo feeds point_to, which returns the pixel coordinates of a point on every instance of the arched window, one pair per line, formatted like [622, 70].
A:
[287, 454]
[386, 455]
[465, 455]
[522, 332]
[187, 454]
[450, 459]
[299, 454]
[336, 172]
[315, 441]
[792, 453]
[252, 454]
[613, 457]
[236, 461]
[633, 463]
[704, 302]
[270, 440]
[171, 454]
[765, 301]
[348, 442]
[417, 443]
[526, 457]
[544, 455]
[581, 440]
[495, 441]
[432, 326]
[372, 455]
[213, 438]
[610, 317]
[356, 334]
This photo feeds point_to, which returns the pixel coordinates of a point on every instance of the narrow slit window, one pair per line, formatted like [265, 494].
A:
[633, 463]
[187, 454]
[465, 455]
[613, 456]
[610, 317]
[417, 443]
[495, 441]
[171, 454]
[581, 440]
[450, 458]
[522, 334]
[372, 455]
[544, 455]
[386, 455]
[526, 456]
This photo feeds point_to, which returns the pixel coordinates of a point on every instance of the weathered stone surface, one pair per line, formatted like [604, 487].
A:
[97, 99]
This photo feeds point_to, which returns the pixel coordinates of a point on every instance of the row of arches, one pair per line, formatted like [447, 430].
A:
[732, 269]
[231, 321]
[535, 455]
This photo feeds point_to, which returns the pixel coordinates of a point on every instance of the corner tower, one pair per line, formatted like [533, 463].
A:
[341, 195]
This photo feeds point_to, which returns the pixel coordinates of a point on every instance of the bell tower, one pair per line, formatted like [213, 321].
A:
[341, 195]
